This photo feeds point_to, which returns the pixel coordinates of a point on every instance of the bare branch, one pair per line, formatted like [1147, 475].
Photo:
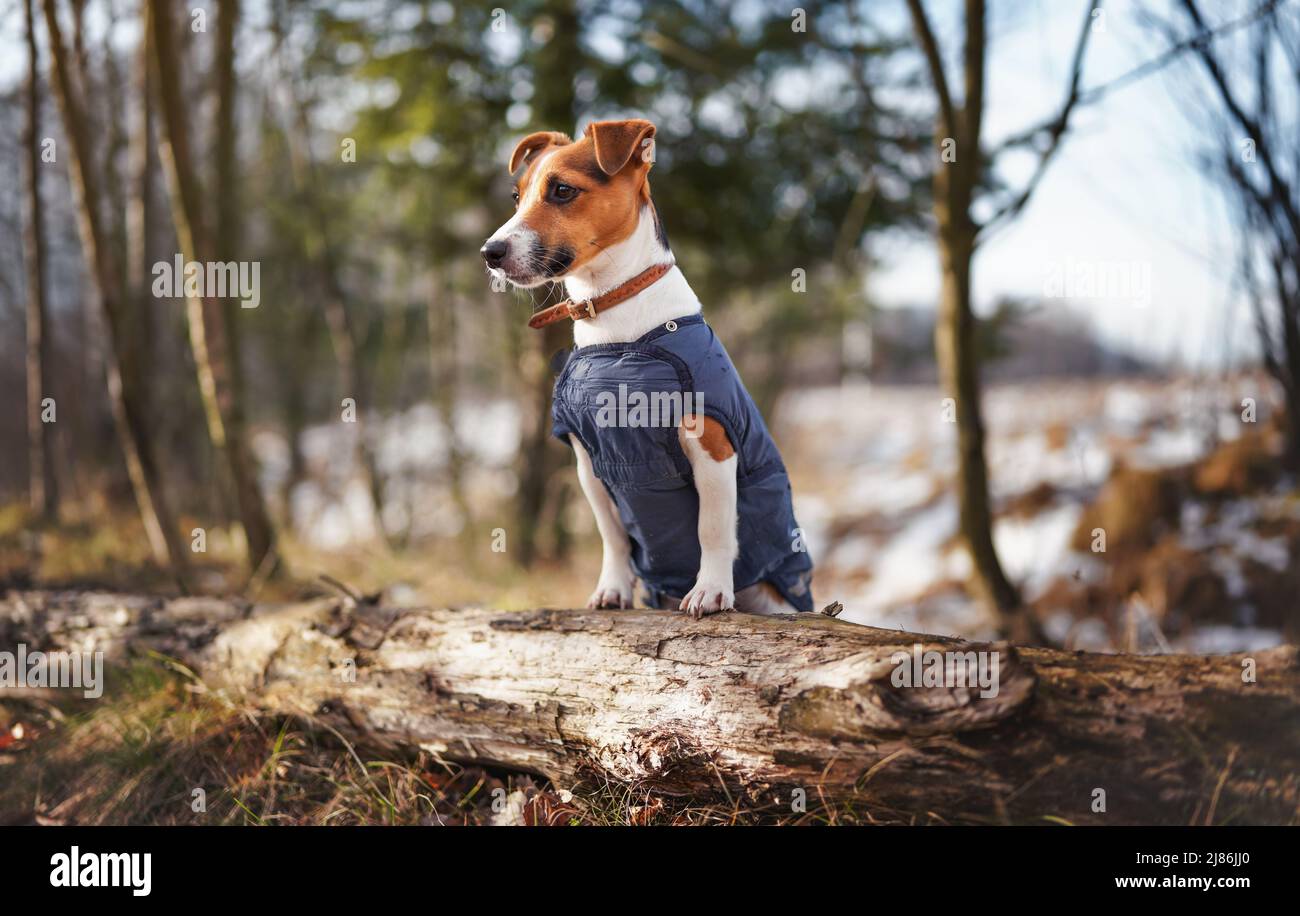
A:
[1255, 296]
[930, 47]
[1253, 129]
[1057, 127]
[1148, 68]
[973, 97]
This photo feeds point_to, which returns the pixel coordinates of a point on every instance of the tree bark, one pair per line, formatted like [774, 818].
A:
[227, 234]
[209, 333]
[955, 183]
[160, 527]
[540, 455]
[139, 213]
[739, 706]
[955, 347]
[43, 486]
[441, 317]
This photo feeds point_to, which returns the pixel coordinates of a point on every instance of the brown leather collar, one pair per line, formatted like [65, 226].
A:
[589, 308]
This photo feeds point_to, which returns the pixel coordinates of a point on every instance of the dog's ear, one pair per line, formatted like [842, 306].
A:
[616, 142]
[534, 142]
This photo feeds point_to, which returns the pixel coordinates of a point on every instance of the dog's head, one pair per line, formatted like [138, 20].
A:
[572, 199]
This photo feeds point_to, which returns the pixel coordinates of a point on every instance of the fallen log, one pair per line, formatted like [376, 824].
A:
[770, 710]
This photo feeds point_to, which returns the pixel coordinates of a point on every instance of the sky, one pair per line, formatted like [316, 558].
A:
[1123, 194]
[1122, 199]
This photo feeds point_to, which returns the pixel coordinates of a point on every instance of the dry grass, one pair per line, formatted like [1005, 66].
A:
[139, 755]
[108, 550]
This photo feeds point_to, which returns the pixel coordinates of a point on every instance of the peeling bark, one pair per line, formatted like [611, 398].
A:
[738, 706]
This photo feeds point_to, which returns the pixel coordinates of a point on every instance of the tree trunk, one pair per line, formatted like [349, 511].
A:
[209, 337]
[227, 188]
[226, 238]
[540, 456]
[740, 706]
[1288, 306]
[955, 349]
[139, 215]
[111, 96]
[160, 527]
[345, 339]
[43, 489]
[440, 321]
[955, 182]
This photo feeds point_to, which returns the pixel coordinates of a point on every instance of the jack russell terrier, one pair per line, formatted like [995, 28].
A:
[698, 506]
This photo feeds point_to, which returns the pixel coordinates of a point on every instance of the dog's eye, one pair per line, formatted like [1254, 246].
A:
[515, 194]
[563, 193]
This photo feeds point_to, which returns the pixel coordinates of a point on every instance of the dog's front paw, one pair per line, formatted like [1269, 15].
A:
[614, 589]
[709, 596]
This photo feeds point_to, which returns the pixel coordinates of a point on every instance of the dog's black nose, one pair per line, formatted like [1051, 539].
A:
[494, 253]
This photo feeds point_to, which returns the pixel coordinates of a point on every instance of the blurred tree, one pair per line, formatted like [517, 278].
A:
[226, 189]
[958, 178]
[781, 162]
[322, 253]
[43, 487]
[790, 177]
[139, 223]
[164, 537]
[214, 358]
[777, 154]
[1253, 122]
[422, 156]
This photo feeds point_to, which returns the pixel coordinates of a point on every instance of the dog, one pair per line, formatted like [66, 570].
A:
[698, 508]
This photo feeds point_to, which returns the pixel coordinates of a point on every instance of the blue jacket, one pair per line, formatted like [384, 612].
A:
[621, 401]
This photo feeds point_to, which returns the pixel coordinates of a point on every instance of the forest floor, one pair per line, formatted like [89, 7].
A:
[138, 755]
[1138, 516]
[1200, 535]
[160, 749]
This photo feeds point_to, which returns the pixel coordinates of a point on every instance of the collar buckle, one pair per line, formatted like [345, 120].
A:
[587, 308]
